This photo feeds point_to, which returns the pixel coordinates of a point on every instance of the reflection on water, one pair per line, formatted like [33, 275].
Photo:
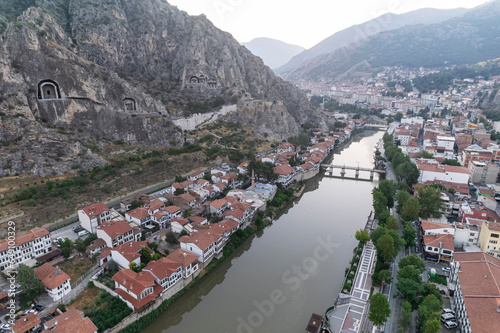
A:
[301, 258]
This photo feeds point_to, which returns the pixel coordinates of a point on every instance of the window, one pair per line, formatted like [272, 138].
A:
[494, 236]
[493, 242]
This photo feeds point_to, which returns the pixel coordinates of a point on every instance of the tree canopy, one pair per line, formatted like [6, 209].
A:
[430, 202]
[379, 309]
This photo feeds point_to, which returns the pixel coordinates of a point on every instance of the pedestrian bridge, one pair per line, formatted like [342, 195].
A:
[380, 127]
[330, 167]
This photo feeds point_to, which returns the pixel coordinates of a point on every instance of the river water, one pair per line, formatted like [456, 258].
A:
[276, 279]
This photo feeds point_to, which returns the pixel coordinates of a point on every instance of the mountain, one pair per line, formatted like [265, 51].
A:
[468, 39]
[359, 33]
[79, 74]
[274, 52]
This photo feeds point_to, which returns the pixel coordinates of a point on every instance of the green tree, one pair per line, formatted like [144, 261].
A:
[385, 275]
[398, 116]
[379, 201]
[408, 172]
[362, 236]
[379, 309]
[80, 245]
[304, 139]
[412, 260]
[385, 248]
[451, 162]
[432, 326]
[392, 223]
[409, 234]
[410, 272]
[377, 233]
[388, 189]
[406, 318]
[66, 246]
[430, 202]
[411, 210]
[409, 290]
[425, 154]
[135, 204]
[401, 197]
[383, 216]
[28, 281]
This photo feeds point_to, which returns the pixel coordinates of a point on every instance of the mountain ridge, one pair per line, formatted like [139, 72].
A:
[358, 33]
[76, 74]
[468, 39]
[273, 52]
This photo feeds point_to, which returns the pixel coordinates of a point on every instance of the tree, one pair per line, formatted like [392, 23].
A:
[135, 204]
[385, 275]
[411, 210]
[451, 162]
[407, 172]
[410, 290]
[430, 202]
[304, 139]
[379, 201]
[385, 248]
[392, 223]
[27, 280]
[406, 318]
[80, 245]
[398, 116]
[179, 191]
[425, 154]
[377, 233]
[379, 309]
[362, 236]
[66, 247]
[383, 216]
[410, 272]
[432, 326]
[409, 234]
[412, 260]
[401, 197]
[388, 189]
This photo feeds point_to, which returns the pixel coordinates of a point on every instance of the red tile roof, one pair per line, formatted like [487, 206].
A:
[130, 250]
[183, 257]
[479, 278]
[186, 196]
[95, 209]
[51, 277]
[218, 203]
[139, 213]
[134, 282]
[28, 236]
[26, 323]
[283, 169]
[171, 209]
[72, 321]
[162, 268]
[155, 204]
[434, 240]
[428, 225]
[115, 228]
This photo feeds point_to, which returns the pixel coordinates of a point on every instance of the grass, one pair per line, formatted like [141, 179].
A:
[76, 266]
[439, 279]
[86, 299]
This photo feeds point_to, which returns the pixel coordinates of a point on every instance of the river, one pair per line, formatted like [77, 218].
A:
[276, 279]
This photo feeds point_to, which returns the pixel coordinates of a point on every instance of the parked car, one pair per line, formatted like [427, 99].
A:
[83, 233]
[78, 228]
[5, 327]
[447, 317]
[446, 269]
[447, 310]
[39, 307]
[450, 324]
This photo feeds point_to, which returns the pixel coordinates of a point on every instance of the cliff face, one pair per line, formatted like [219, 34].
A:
[101, 70]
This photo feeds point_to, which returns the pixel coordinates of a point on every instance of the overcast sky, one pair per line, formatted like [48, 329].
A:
[303, 23]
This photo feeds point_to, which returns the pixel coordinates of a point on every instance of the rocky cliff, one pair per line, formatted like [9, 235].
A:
[103, 70]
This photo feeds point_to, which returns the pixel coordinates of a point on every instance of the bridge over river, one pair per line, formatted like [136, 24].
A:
[330, 167]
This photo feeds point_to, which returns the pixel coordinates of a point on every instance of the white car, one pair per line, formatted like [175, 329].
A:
[450, 324]
[446, 269]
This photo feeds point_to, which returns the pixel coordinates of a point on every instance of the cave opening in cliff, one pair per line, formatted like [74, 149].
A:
[129, 104]
[48, 89]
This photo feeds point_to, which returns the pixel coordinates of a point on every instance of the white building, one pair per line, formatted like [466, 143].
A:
[431, 171]
[116, 233]
[92, 216]
[127, 253]
[32, 244]
[285, 175]
[56, 282]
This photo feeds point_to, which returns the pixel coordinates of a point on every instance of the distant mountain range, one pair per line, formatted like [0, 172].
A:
[273, 52]
[466, 39]
[358, 34]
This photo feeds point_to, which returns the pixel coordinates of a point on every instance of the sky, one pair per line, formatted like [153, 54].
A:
[303, 23]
